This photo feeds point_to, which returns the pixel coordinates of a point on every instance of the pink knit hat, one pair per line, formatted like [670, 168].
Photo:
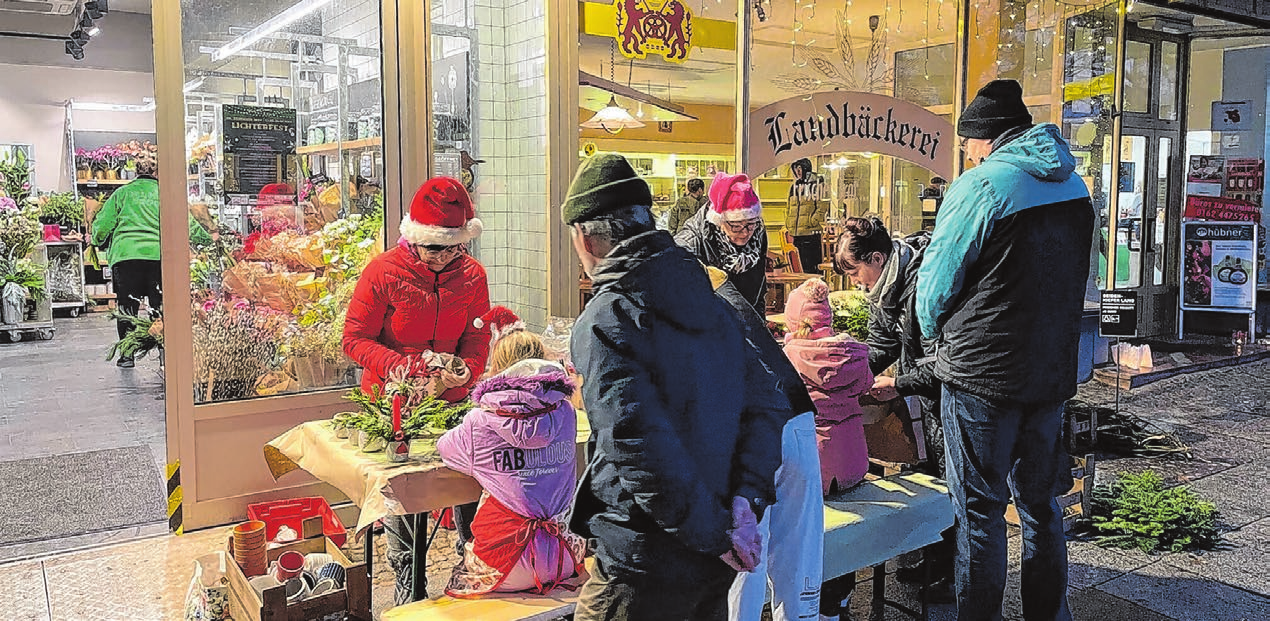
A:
[732, 198]
[807, 312]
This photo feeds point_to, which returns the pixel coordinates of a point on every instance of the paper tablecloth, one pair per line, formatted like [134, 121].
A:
[377, 486]
[879, 520]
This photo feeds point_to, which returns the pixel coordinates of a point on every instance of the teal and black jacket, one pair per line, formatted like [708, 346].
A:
[1001, 287]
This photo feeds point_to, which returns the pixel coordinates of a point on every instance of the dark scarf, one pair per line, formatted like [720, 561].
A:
[735, 259]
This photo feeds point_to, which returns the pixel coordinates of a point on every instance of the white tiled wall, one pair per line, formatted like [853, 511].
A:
[357, 20]
[511, 191]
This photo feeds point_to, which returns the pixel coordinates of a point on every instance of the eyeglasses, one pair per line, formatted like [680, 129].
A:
[743, 227]
[438, 249]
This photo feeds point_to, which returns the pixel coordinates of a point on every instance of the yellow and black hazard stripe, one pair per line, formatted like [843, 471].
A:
[174, 499]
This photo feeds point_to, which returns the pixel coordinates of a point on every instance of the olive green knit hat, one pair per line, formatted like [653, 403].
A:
[605, 181]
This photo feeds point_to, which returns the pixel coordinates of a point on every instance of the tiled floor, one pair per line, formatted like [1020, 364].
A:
[147, 579]
[63, 396]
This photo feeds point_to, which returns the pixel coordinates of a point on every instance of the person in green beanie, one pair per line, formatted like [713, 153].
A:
[128, 225]
[686, 423]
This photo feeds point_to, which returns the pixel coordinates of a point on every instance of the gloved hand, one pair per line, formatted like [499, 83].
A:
[747, 544]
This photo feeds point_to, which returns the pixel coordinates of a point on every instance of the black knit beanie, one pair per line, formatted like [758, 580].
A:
[997, 109]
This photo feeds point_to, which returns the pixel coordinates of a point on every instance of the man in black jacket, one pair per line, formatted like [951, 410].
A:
[1001, 288]
[686, 432]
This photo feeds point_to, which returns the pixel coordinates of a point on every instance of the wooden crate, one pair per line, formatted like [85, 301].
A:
[1080, 426]
[246, 605]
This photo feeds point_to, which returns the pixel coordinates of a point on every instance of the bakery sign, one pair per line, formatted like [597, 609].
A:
[850, 122]
[650, 27]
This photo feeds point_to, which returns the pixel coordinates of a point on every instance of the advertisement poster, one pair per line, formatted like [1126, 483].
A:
[1223, 209]
[1219, 265]
[1245, 179]
[1206, 175]
[259, 153]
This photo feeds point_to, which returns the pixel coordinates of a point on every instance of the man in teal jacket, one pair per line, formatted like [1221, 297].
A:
[1001, 289]
[128, 224]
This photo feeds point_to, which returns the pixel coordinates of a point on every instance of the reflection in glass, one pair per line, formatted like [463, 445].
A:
[1168, 81]
[1137, 81]
[284, 128]
[1129, 231]
[1162, 244]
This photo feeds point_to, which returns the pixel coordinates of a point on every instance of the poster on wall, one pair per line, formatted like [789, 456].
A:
[259, 154]
[1232, 116]
[1218, 208]
[1206, 175]
[1219, 266]
[1245, 178]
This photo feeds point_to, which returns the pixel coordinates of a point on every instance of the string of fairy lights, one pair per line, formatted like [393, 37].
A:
[1027, 24]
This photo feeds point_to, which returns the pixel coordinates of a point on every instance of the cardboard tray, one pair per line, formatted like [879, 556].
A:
[354, 598]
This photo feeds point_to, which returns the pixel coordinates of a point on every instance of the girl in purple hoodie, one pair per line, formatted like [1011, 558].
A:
[835, 368]
[519, 444]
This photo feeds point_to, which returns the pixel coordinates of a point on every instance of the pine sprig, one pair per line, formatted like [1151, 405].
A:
[1138, 512]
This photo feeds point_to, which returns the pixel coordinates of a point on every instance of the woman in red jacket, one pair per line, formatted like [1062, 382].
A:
[414, 308]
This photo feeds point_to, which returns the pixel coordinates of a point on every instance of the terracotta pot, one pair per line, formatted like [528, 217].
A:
[83, 173]
[112, 175]
[99, 175]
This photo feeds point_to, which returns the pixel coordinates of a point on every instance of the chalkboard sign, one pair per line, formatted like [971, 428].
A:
[1118, 314]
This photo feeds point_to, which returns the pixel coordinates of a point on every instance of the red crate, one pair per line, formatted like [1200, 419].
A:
[292, 513]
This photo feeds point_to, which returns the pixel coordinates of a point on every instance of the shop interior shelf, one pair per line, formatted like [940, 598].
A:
[347, 145]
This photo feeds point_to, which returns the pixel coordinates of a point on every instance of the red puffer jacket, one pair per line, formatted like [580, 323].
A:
[401, 307]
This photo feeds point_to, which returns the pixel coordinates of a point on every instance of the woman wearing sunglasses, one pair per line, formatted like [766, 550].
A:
[414, 309]
[728, 234]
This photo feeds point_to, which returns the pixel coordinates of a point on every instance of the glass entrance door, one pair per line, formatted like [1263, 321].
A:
[1149, 181]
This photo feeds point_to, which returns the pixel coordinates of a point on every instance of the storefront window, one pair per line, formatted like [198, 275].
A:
[1168, 80]
[284, 125]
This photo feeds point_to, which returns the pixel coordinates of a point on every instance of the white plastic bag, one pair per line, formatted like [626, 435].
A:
[556, 338]
[208, 596]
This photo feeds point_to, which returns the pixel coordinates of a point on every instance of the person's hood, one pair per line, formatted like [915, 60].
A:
[662, 279]
[833, 364]
[519, 402]
[1040, 151]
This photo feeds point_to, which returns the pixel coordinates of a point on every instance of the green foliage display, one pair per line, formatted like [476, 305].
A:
[62, 208]
[19, 232]
[15, 176]
[851, 313]
[138, 342]
[25, 273]
[1138, 511]
[430, 416]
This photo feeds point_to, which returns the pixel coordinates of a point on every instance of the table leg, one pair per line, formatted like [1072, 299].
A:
[419, 559]
[369, 542]
[878, 610]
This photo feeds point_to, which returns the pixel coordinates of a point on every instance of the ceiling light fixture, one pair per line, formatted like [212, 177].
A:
[148, 106]
[268, 27]
[193, 85]
[612, 118]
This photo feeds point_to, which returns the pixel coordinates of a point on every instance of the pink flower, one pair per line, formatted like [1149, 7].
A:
[7, 204]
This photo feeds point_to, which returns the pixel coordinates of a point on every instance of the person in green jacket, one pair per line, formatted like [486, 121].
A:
[128, 225]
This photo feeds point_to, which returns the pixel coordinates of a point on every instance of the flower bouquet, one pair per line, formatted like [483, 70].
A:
[235, 343]
[15, 177]
[19, 229]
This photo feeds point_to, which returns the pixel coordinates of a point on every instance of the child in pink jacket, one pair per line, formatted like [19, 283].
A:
[519, 444]
[835, 368]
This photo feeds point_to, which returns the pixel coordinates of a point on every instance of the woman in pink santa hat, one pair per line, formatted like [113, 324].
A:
[835, 368]
[413, 312]
[728, 234]
[519, 444]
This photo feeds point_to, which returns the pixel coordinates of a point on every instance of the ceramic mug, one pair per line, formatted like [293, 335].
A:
[316, 560]
[263, 583]
[297, 589]
[333, 571]
[324, 586]
[288, 566]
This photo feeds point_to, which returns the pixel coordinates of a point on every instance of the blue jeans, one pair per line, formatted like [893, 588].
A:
[994, 450]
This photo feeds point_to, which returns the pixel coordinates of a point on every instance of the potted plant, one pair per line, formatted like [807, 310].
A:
[83, 164]
[63, 209]
[15, 177]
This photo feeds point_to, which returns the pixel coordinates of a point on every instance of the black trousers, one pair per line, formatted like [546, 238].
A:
[135, 279]
[810, 252]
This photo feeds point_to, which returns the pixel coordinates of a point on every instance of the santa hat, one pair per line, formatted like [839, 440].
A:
[807, 312]
[732, 198]
[501, 321]
[441, 214]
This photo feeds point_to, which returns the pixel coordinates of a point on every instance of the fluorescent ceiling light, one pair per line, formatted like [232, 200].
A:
[268, 27]
[612, 118]
[148, 106]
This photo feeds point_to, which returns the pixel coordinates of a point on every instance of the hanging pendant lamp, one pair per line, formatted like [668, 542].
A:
[612, 118]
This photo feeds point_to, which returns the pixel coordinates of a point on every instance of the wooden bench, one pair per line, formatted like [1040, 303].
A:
[865, 526]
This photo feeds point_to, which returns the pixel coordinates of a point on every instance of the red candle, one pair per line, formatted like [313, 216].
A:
[396, 415]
